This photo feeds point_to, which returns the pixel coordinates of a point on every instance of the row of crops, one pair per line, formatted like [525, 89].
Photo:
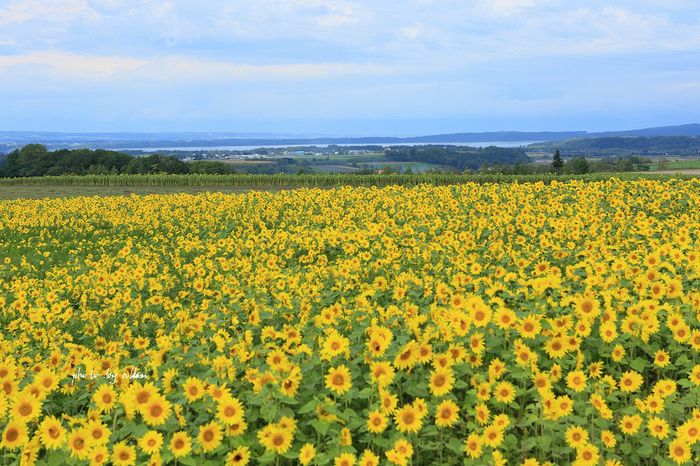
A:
[320, 180]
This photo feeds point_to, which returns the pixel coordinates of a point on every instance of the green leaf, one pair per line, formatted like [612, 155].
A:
[320, 426]
[56, 458]
[645, 451]
[456, 445]
[639, 364]
[187, 461]
[308, 407]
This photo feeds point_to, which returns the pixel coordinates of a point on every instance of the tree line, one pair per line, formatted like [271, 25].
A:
[37, 160]
[462, 159]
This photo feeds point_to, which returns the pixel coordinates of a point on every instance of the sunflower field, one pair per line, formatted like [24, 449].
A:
[481, 324]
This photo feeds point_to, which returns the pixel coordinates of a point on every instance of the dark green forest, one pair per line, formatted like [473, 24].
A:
[36, 160]
[467, 158]
[624, 145]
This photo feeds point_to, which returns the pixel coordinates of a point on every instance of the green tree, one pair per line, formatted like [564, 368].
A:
[557, 162]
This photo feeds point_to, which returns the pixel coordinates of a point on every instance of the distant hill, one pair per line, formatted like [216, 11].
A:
[10, 140]
[619, 145]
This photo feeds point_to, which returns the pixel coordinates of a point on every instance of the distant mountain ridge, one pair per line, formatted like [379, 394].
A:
[10, 140]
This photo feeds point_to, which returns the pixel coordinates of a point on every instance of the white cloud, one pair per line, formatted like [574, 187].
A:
[173, 69]
[411, 32]
[21, 11]
[508, 7]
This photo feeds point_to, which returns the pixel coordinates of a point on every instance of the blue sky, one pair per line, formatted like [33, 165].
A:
[348, 67]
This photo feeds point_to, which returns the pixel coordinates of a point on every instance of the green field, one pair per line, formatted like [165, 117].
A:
[689, 164]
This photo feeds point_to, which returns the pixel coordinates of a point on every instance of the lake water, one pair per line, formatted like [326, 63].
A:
[383, 144]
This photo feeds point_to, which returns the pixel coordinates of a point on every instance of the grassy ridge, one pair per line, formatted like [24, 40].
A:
[310, 180]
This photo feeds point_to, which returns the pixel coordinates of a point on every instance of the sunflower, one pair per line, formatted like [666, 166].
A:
[408, 419]
[15, 435]
[156, 410]
[151, 442]
[473, 445]
[587, 308]
[679, 451]
[345, 459]
[229, 411]
[333, 345]
[26, 407]
[661, 358]
[290, 384]
[618, 353]
[307, 453]
[194, 389]
[608, 439]
[407, 357]
[237, 428]
[608, 331]
[576, 436]
[504, 318]
[441, 381]
[180, 444]
[99, 433]
[530, 326]
[482, 414]
[587, 455]
[78, 443]
[99, 455]
[123, 454]
[368, 458]
[376, 422]
[629, 424]
[210, 436]
[555, 347]
[276, 439]
[576, 381]
[105, 398]
[338, 379]
[492, 436]
[480, 314]
[239, 457]
[52, 433]
[631, 381]
[403, 448]
[504, 392]
[542, 382]
[689, 431]
[447, 413]
[47, 380]
[388, 401]
[143, 393]
[382, 373]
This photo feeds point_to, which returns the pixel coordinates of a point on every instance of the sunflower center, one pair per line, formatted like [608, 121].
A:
[12, 435]
[277, 440]
[338, 379]
[25, 409]
[208, 436]
[179, 443]
[156, 411]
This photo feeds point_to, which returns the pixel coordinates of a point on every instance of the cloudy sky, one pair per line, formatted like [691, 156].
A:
[352, 67]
